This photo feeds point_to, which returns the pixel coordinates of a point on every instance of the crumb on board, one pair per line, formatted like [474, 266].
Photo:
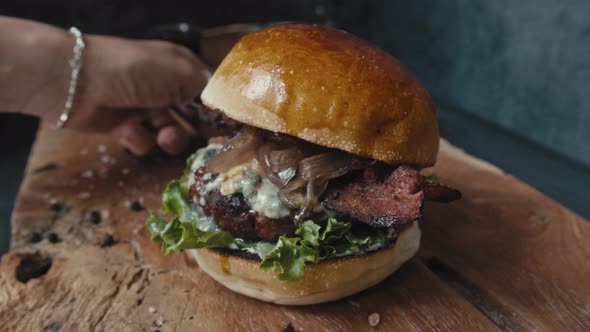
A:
[374, 319]
[152, 310]
[84, 195]
[159, 322]
[107, 159]
[88, 174]
[136, 230]
[101, 148]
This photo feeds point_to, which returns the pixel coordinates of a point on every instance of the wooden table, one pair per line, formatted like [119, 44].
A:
[505, 257]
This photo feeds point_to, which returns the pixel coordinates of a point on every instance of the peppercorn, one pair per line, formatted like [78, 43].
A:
[53, 237]
[95, 217]
[135, 206]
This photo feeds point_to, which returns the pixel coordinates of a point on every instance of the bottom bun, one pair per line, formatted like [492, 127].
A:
[325, 281]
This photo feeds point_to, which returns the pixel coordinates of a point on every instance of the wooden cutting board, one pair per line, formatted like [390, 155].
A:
[505, 257]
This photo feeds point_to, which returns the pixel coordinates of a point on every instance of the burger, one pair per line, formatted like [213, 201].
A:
[313, 192]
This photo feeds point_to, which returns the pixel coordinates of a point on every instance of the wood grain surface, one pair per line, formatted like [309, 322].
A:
[503, 258]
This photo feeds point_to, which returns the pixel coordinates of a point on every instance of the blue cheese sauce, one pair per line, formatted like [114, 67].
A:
[260, 193]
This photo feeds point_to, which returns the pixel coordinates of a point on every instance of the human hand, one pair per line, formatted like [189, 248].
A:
[124, 88]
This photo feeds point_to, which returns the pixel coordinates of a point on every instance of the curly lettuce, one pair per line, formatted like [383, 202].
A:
[189, 228]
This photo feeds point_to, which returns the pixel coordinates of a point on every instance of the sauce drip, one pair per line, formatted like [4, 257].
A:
[225, 267]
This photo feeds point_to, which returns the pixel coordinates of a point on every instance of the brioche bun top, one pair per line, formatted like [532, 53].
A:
[330, 88]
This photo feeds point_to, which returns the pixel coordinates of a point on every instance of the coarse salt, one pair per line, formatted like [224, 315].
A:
[159, 322]
[89, 174]
[374, 319]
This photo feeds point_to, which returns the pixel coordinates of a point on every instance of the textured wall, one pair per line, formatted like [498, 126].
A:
[522, 64]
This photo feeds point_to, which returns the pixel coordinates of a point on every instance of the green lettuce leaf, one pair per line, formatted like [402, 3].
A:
[187, 172]
[178, 236]
[312, 242]
[288, 258]
[175, 201]
[182, 232]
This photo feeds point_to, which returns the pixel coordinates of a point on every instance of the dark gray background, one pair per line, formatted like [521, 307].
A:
[511, 78]
[524, 65]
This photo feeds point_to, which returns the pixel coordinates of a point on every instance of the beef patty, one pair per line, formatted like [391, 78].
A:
[390, 198]
[233, 214]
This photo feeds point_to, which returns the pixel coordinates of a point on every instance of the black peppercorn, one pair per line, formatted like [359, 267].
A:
[35, 237]
[53, 237]
[288, 328]
[107, 241]
[56, 206]
[135, 206]
[94, 217]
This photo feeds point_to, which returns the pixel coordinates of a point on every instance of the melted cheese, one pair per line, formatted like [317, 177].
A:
[201, 157]
[260, 193]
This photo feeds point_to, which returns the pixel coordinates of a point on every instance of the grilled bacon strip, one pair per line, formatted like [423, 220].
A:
[392, 202]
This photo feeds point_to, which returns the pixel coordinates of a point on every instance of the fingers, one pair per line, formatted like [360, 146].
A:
[140, 136]
[161, 119]
[134, 136]
[173, 140]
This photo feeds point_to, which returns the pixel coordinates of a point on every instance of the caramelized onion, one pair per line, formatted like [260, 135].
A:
[326, 166]
[262, 157]
[287, 163]
[313, 174]
[279, 161]
[240, 149]
[314, 190]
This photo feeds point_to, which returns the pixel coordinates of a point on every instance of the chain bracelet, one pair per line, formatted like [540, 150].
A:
[76, 66]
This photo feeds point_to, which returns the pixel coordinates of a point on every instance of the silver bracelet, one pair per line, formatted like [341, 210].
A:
[76, 65]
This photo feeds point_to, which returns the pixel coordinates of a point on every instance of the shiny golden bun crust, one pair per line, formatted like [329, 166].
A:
[330, 88]
[323, 282]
